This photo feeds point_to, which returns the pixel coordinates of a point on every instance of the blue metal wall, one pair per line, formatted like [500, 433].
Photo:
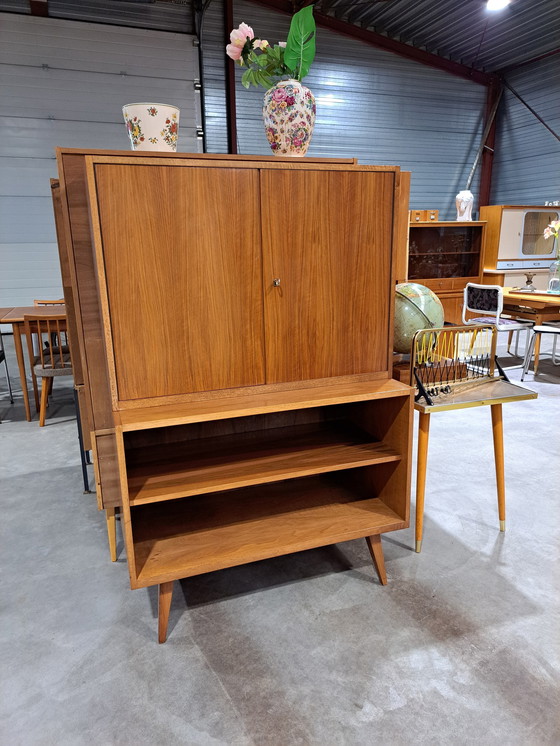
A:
[527, 156]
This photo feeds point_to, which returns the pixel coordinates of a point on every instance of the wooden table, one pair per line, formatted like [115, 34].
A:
[15, 316]
[537, 307]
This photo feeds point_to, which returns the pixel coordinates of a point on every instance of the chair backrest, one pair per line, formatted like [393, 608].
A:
[452, 356]
[487, 299]
[51, 334]
[37, 302]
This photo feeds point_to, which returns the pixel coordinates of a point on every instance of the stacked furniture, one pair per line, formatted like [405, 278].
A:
[445, 256]
[235, 321]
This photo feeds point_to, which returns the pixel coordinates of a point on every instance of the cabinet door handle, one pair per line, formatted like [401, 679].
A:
[276, 282]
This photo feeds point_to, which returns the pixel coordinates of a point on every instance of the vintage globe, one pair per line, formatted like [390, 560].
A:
[416, 307]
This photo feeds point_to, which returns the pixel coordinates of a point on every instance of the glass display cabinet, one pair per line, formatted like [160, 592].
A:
[515, 244]
[444, 256]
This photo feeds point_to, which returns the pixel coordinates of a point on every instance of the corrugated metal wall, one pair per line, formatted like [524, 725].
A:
[527, 156]
[63, 84]
[214, 64]
[373, 105]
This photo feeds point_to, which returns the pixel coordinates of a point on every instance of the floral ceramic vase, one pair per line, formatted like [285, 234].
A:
[289, 117]
[152, 126]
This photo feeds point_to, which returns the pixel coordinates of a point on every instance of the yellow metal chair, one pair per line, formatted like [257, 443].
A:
[455, 367]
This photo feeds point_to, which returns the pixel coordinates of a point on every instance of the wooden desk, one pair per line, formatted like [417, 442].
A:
[14, 316]
[537, 307]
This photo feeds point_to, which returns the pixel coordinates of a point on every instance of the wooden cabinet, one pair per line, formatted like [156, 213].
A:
[245, 308]
[445, 256]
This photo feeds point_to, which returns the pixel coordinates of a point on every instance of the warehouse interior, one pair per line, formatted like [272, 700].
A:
[300, 647]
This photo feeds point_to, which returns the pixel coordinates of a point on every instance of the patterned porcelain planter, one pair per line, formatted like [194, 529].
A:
[152, 126]
[289, 118]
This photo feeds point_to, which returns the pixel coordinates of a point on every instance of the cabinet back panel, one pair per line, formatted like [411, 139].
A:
[182, 264]
[327, 236]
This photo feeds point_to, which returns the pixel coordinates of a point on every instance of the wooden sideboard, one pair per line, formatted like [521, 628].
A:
[235, 319]
[444, 256]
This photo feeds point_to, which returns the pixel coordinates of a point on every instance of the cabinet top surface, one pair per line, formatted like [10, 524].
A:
[241, 406]
[202, 156]
[447, 223]
[521, 207]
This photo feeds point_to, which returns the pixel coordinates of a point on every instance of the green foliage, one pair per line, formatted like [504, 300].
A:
[264, 68]
[300, 46]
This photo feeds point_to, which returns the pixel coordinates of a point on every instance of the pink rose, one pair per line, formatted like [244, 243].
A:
[233, 51]
[279, 94]
[261, 44]
[290, 100]
[281, 43]
[239, 36]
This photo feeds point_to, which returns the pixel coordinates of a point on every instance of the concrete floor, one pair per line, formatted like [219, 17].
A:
[462, 646]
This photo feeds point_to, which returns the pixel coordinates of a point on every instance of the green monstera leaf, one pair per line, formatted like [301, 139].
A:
[300, 45]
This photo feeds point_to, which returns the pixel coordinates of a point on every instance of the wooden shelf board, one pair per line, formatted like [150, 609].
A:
[166, 415]
[188, 537]
[229, 462]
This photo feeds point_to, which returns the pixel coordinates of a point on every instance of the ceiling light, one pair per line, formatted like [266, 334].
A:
[497, 4]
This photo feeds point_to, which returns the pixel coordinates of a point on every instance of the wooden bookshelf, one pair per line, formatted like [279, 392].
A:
[226, 463]
[203, 534]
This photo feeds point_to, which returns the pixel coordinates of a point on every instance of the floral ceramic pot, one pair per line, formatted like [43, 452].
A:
[152, 126]
[289, 117]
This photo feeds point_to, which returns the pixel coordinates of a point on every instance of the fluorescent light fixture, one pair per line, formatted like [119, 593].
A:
[497, 4]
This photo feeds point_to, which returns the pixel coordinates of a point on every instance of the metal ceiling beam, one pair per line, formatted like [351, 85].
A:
[389, 45]
[39, 7]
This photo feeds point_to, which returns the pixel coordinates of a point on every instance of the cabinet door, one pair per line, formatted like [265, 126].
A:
[183, 271]
[327, 241]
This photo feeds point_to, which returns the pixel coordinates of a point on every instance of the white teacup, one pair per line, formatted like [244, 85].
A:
[152, 126]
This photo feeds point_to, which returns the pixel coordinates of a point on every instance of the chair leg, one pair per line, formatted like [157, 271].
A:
[44, 399]
[165, 593]
[422, 460]
[537, 349]
[528, 356]
[498, 437]
[376, 551]
[111, 532]
[510, 337]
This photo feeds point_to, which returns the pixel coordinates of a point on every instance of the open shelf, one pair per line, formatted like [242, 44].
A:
[188, 537]
[168, 471]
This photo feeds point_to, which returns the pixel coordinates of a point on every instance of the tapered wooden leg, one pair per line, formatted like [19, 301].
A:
[422, 461]
[44, 399]
[537, 352]
[376, 551]
[112, 532]
[498, 435]
[164, 604]
[51, 381]
[21, 366]
[510, 337]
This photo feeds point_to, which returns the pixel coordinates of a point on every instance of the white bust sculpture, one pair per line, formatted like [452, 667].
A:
[464, 204]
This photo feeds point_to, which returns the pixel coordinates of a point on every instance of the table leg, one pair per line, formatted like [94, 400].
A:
[498, 436]
[21, 365]
[423, 437]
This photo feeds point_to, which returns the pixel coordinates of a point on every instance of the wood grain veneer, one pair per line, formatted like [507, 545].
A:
[329, 249]
[199, 323]
[230, 462]
[201, 534]
[276, 401]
